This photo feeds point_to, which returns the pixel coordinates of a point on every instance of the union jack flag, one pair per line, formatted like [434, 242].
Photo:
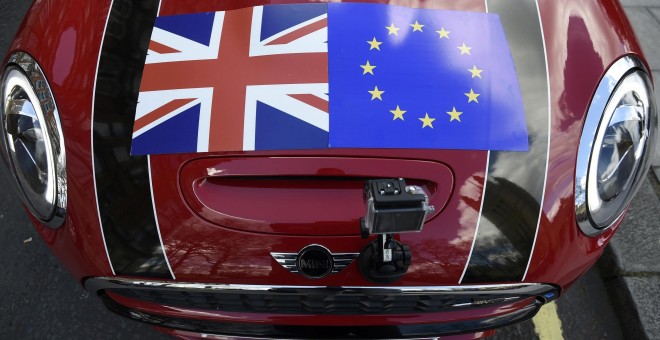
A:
[247, 79]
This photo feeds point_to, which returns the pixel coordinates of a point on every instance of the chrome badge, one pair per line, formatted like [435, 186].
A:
[314, 261]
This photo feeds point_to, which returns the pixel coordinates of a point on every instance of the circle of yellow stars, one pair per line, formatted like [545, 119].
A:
[443, 34]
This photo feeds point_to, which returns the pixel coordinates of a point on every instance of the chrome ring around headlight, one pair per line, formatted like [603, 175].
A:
[32, 139]
[616, 145]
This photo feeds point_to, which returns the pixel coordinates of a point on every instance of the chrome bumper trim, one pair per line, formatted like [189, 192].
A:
[95, 285]
[476, 296]
[234, 330]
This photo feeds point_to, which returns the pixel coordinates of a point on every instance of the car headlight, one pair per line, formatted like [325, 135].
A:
[32, 139]
[616, 145]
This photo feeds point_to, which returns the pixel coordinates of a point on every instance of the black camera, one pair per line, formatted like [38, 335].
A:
[392, 207]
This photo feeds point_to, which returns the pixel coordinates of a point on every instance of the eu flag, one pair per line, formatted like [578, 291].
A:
[415, 78]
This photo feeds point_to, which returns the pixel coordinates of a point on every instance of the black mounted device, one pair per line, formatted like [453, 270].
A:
[392, 207]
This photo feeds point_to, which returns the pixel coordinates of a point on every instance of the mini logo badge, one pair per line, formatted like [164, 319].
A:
[314, 261]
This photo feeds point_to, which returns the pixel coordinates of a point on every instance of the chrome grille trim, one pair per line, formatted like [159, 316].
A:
[342, 260]
[98, 283]
[286, 260]
[243, 330]
[290, 263]
[95, 285]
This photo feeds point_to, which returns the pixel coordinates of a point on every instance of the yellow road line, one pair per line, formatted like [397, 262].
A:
[547, 324]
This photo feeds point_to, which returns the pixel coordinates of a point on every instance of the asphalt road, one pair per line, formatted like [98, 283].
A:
[40, 299]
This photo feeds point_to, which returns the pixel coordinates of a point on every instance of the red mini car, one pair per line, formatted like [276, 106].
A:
[303, 169]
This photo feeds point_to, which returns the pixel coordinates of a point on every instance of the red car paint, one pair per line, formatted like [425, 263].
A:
[203, 246]
[562, 252]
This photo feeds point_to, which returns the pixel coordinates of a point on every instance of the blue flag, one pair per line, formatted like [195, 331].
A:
[416, 78]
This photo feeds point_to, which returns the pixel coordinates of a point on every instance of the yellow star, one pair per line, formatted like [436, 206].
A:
[376, 93]
[417, 27]
[392, 29]
[427, 121]
[475, 71]
[464, 49]
[374, 44]
[398, 113]
[455, 115]
[443, 33]
[368, 68]
[472, 97]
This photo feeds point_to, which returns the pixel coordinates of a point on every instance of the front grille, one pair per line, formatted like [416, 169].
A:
[244, 330]
[292, 301]
[319, 301]
[299, 303]
[311, 300]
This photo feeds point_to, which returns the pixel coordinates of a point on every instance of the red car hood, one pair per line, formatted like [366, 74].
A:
[216, 217]
[227, 212]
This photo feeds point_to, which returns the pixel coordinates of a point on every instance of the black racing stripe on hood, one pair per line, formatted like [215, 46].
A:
[122, 181]
[514, 189]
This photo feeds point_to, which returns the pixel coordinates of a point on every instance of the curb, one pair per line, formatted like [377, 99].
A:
[630, 268]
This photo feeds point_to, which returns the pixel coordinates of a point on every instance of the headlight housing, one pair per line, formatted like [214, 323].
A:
[32, 140]
[616, 145]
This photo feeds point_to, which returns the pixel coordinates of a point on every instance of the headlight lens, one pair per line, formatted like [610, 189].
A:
[32, 143]
[616, 144]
